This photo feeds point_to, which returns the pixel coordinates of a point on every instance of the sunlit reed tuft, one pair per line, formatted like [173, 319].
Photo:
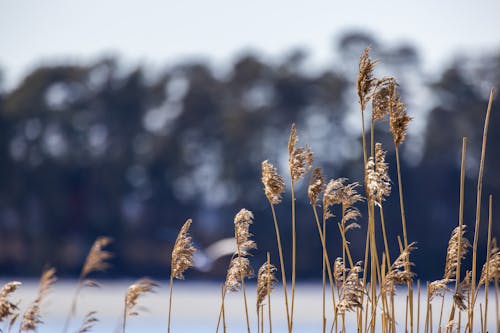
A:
[182, 254]
[366, 81]
[274, 184]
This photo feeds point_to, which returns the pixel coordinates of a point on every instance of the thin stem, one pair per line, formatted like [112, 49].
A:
[170, 300]
[282, 266]
[323, 278]
[478, 207]
[73, 305]
[294, 253]
[325, 253]
[269, 293]
[418, 307]
[405, 237]
[382, 221]
[488, 254]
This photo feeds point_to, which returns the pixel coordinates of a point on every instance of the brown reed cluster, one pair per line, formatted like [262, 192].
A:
[88, 322]
[182, 254]
[300, 159]
[32, 317]
[398, 274]
[366, 80]
[378, 183]
[8, 309]
[134, 291]
[351, 291]
[274, 185]
[265, 282]
[97, 258]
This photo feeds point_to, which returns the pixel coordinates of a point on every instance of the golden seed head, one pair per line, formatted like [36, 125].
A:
[88, 322]
[300, 159]
[316, 185]
[398, 274]
[239, 269]
[182, 254]
[352, 291]
[97, 257]
[491, 269]
[378, 183]
[265, 282]
[242, 222]
[366, 81]
[274, 184]
[8, 308]
[32, 317]
[381, 100]
[461, 296]
[399, 119]
[140, 287]
[452, 259]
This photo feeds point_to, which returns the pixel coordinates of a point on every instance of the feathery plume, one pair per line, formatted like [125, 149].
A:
[397, 273]
[378, 184]
[97, 257]
[242, 222]
[491, 269]
[88, 322]
[299, 158]
[239, 268]
[383, 90]
[351, 291]
[336, 192]
[265, 282]
[438, 288]
[32, 317]
[7, 308]
[399, 119]
[316, 185]
[274, 184]
[338, 271]
[182, 254]
[140, 287]
[366, 81]
[461, 296]
[450, 269]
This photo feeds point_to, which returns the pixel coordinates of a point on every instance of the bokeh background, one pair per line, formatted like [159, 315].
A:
[126, 118]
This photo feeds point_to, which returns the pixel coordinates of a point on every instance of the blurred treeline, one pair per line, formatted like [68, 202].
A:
[106, 149]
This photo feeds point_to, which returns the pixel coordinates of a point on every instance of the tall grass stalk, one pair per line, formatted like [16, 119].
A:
[478, 211]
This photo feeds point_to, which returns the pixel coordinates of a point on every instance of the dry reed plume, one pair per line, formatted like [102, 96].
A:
[88, 322]
[33, 317]
[96, 261]
[139, 288]
[9, 309]
[182, 260]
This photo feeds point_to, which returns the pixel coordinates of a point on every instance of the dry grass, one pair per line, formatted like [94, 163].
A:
[364, 288]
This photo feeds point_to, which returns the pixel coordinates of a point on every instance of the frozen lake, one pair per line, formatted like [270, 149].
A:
[195, 308]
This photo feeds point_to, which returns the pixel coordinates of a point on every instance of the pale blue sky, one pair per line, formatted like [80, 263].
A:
[160, 31]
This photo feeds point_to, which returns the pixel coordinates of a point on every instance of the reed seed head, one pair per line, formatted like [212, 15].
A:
[32, 317]
[265, 282]
[491, 269]
[140, 287]
[239, 269]
[8, 308]
[351, 292]
[88, 322]
[454, 247]
[398, 274]
[182, 254]
[242, 222]
[274, 184]
[366, 81]
[299, 158]
[316, 186]
[399, 119]
[338, 271]
[461, 296]
[97, 258]
[381, 100]
[378, 183]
